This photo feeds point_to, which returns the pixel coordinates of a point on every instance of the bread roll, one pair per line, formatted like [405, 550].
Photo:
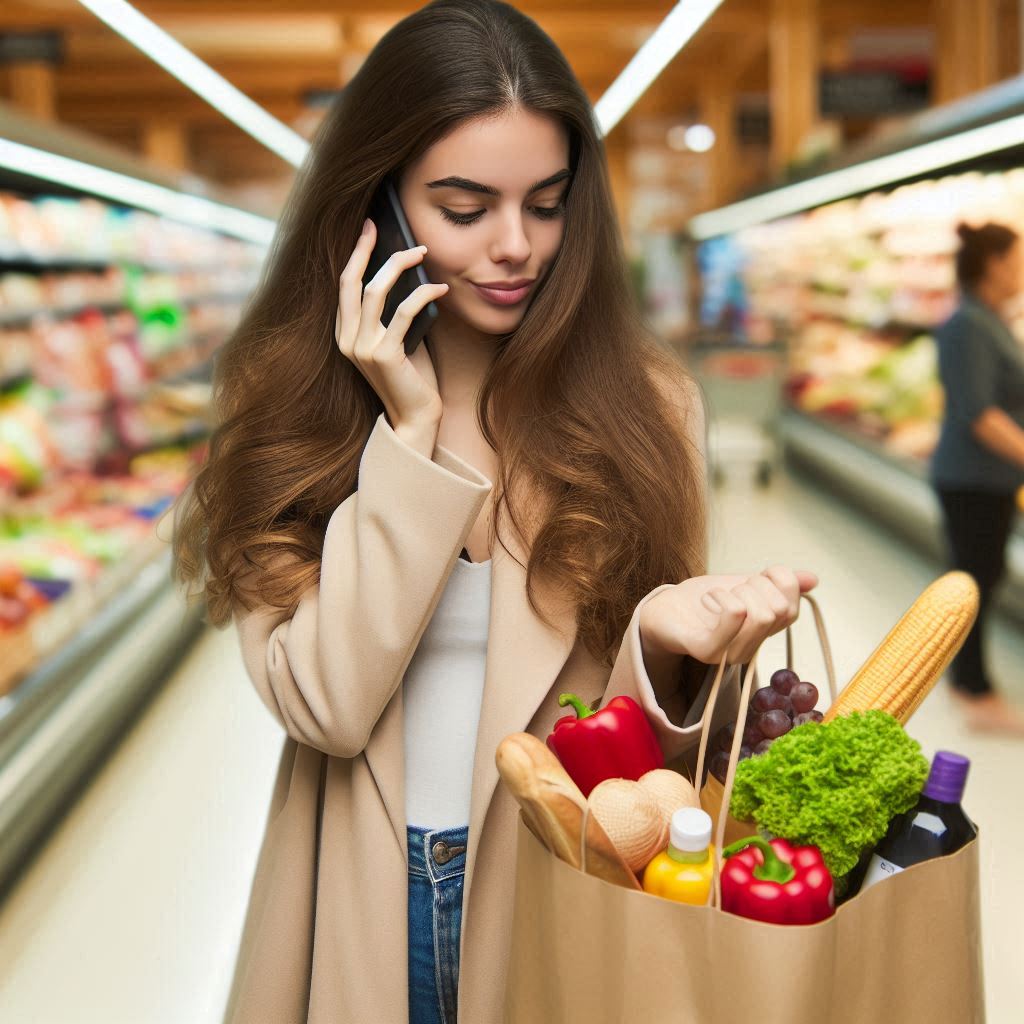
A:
[554, 808]
[670, 791]
[632, 820]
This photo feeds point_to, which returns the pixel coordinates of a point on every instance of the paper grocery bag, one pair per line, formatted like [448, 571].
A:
[906, 950]
[711, 800]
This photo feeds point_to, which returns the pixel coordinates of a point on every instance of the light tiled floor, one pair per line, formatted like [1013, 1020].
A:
[132, 912]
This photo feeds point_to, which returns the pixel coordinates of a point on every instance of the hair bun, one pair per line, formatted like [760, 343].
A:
[964, 230]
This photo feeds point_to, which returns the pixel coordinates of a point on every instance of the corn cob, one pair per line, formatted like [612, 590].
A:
[911, 659]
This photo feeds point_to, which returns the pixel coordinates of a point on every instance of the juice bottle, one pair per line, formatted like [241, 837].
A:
[685, 870]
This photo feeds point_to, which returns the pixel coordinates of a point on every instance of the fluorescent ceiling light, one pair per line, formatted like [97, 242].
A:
[860, 178]
[700, 138]
[679, 26]
[128, 191]
[200, 78]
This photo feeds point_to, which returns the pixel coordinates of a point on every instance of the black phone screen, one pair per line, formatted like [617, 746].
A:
[394, 235]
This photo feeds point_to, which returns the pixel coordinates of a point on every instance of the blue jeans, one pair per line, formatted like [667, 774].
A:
[437, 870]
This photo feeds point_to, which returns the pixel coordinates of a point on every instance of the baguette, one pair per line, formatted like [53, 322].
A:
[554, 809]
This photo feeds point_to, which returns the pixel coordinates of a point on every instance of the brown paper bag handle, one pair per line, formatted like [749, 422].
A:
[826, 647]
[715, 893]
[830, 671]
[747, 686]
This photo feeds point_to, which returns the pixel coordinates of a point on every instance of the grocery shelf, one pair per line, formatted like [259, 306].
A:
[39, 264]
[24, 317]
[893, 490]
[916, 468]
[75, 144]
[56, 726]
[85, 664]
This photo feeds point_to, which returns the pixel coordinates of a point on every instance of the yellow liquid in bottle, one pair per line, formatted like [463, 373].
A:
[683, 877]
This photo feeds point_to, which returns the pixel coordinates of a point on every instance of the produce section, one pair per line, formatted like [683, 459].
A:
[856, 289]
[110, 320]
[853, 290]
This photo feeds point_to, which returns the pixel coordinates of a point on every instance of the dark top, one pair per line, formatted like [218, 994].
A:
[981, 364]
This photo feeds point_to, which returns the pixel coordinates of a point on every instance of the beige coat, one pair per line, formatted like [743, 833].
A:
[325, 938]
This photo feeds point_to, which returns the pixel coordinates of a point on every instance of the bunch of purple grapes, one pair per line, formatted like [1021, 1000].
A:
[774, 709]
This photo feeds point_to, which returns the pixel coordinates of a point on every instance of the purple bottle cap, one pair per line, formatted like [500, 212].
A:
[947, 778]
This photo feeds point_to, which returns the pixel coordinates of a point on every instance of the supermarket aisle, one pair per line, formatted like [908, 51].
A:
[133, 911]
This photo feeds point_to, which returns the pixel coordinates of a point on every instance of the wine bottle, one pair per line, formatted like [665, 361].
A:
[936, 826]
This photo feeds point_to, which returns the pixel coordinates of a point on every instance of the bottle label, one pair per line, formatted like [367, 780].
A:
[878, 869]
[930, 823]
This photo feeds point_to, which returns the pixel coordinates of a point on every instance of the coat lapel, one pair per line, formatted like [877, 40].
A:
[524, 657]
[385, 754]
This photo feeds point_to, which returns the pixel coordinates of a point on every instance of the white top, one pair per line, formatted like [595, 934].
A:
[442, 694]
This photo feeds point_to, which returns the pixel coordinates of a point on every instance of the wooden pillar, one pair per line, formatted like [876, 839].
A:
[617, 150]
[719, 107]
[794, 76]
[717, 104]
[34, 89]
[166, 144]
[966, 47]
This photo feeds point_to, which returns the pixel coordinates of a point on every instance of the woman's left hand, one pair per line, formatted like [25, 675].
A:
[706, 615]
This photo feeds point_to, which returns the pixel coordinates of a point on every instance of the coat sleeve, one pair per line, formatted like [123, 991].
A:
[677, 726]
[328, 672]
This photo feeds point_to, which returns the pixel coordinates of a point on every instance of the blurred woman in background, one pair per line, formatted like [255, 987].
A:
[978, 465]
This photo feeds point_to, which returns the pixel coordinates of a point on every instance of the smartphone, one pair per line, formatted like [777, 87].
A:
[393, 235]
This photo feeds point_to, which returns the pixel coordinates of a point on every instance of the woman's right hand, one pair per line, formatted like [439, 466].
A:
[407, 385]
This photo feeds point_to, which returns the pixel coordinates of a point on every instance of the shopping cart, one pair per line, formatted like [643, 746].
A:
[743, 384]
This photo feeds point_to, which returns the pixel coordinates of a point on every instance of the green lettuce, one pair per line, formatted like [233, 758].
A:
[834, 785]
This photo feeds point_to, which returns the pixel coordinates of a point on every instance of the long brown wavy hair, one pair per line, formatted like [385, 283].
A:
[583, 403]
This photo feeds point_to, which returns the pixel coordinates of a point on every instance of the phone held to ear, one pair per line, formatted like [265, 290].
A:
[394, 235]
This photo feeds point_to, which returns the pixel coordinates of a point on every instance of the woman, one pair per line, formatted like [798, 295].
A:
[978, 465]
[346, 477]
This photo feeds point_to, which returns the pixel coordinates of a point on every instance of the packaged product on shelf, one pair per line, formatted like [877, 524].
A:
[28, 450]
[109, 317]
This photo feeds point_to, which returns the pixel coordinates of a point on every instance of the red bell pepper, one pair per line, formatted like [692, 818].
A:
[616, 742]
[776, 882]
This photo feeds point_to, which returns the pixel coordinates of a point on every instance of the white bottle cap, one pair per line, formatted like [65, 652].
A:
[690, 830]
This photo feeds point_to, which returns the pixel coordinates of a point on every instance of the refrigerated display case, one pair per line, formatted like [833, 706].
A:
[852, 271]
[110, 320]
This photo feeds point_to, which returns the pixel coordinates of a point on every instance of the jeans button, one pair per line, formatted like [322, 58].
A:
[442, 854]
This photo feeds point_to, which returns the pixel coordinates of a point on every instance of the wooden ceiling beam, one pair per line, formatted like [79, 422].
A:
[219, 38]
[255, 81]
[737, 16]
[156, 9]
[140, 108]
[66, 13]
